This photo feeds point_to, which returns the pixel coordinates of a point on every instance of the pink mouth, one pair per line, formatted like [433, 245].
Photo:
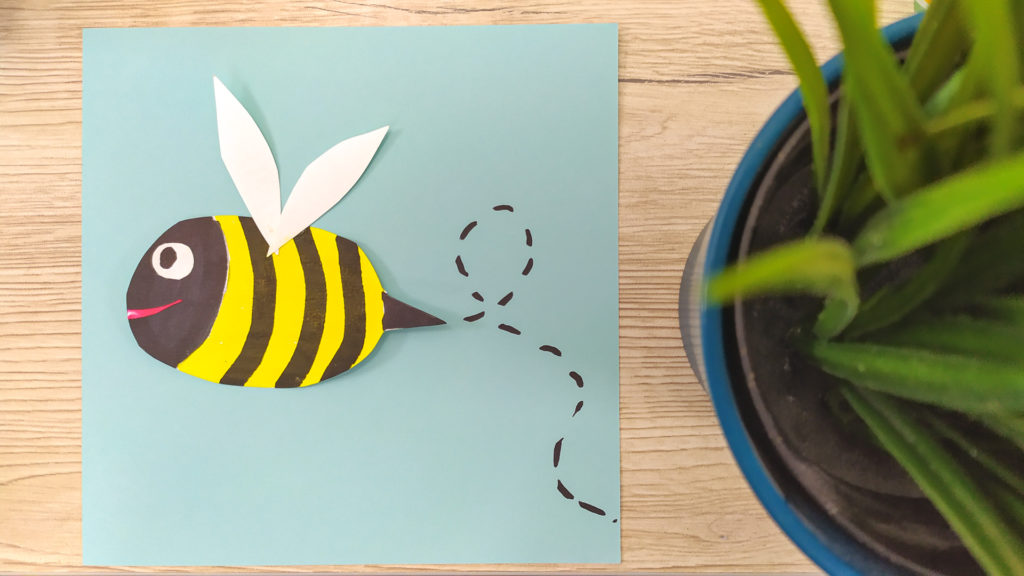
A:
[143, 312]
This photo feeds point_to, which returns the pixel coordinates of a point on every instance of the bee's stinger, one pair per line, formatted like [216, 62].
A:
[398, 314]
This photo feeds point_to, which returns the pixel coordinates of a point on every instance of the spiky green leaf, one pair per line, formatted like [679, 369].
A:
[940, 41]
[957, 382]
[964, 335]
[846, 160]
[888, 115]
[958, 497]
[895, 302]
[812, 83]
[995, 42]
[820, 266]
[942, 209]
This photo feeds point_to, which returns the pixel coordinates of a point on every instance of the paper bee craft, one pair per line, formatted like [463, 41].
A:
[266, 301]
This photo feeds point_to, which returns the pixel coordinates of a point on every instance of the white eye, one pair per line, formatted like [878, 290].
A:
[173, 260]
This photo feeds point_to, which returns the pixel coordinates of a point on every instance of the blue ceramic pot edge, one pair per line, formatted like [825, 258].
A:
[724, 225]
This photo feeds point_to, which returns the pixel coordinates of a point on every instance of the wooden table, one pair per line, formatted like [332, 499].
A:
[696, 80]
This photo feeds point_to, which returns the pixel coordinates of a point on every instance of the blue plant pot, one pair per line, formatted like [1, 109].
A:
[811, 522]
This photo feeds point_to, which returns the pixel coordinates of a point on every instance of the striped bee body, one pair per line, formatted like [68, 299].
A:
[207, 300]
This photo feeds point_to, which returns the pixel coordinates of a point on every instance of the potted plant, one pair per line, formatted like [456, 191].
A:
[862, 333]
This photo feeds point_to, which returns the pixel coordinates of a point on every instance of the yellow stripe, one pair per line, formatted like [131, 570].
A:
[288, 309]
[374, 307]
[227, 336]
[334, 318]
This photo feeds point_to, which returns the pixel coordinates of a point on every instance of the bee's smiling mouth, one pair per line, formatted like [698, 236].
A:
[143, 312]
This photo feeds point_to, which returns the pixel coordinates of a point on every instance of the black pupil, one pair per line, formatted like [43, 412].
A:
[167, 257]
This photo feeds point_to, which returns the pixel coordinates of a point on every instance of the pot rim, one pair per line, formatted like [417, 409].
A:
[824, 542]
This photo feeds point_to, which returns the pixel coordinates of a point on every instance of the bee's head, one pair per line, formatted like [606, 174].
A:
[175, 293]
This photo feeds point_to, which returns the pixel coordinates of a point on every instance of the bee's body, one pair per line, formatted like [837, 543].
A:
[307, 313]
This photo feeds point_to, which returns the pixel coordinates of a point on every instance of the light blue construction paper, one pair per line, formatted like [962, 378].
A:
[439, 447]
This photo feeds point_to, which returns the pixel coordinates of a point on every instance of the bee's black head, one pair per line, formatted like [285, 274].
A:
[175, 293]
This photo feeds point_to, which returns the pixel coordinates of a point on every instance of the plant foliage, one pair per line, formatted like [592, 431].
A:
[924, 157]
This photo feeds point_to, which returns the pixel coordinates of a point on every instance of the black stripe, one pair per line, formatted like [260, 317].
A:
[591, 508]
[312, 315]
[355, 309]
[264, 300]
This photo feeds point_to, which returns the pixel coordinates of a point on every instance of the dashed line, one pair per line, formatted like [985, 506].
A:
[509, 329]
[529, 266]
[557, 451]
[466, 230]
[564, 491]
[577, 378]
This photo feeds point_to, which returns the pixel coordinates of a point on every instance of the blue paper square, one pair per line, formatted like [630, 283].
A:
[440, 447]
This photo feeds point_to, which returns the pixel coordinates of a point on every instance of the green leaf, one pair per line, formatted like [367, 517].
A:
[1011, 504]
[954, 123]
[960, 500]
[1007, 425]
[819, 266]
[991, 264]
[862, 200]
[812, 83]
[995, 458]
[995, 43]
[965, 84]
[888, 115]
[955, 133]
[845, 163]
[836, 315]
[952, 381]
[1006, 308]
[940, 41]
[965, 335]
[942, 209]
[950, 93]
[896, 301]
[1018, 13]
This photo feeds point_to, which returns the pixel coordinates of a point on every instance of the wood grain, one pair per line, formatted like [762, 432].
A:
[697, 79]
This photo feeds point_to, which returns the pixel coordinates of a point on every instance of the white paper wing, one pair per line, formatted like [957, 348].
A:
[324, 182]
[249, 161]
